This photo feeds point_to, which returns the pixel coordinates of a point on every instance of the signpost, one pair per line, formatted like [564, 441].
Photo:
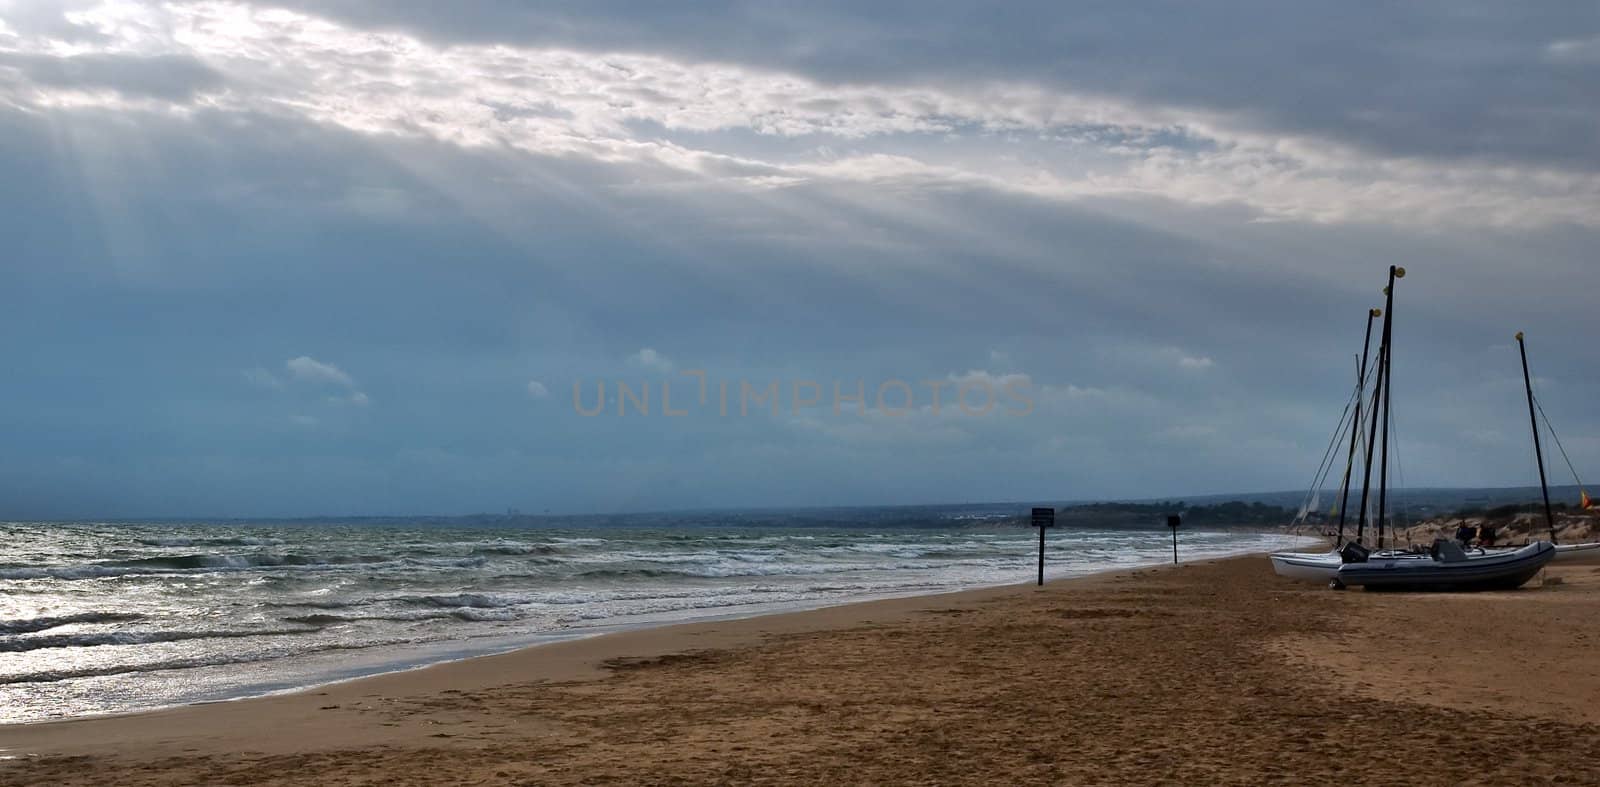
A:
[1173, 521]
[1043, 518]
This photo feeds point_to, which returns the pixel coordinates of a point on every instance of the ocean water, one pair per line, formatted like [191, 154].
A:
[111, 617]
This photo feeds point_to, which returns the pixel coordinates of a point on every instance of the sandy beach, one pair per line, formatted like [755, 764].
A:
[1204, 673]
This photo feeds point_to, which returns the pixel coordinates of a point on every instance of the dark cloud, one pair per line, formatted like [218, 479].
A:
[174, 78]
[147, 274]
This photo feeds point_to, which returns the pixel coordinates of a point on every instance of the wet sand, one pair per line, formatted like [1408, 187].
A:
[1205, 673]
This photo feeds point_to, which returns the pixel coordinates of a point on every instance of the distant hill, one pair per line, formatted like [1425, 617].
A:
[1229, 514]
[1242, 510]
[1414, 503]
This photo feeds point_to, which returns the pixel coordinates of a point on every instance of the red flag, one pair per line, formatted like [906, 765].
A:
[1583, 499]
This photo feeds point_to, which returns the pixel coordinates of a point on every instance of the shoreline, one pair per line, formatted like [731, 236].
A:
[423, 657]
[1192, 673]
[692, 628]
[579, 658]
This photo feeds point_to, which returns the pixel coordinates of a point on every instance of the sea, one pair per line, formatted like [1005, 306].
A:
[111, 617]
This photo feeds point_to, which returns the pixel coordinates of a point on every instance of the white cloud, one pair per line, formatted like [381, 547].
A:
[919, 412]
[977, 377]
[303, 420]
[308, 369]
[537, 390]
[1055, 144]
[1196, 362]
[652, 360]
[1575, 50]
[312, 372]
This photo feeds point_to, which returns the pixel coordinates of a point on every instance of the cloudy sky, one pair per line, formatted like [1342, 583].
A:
[355, 256]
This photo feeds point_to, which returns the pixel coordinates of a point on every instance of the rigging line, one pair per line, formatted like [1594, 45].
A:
[1316, 477]
[1328, 462]
[1325, 465]
[1540, 406]
[1367, 449]
[1403, 514]
[1367, 414]
[1364, 447]
[1356, 438]
[1329, 457]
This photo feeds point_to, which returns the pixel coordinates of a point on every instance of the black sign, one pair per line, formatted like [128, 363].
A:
[1044, 517]
[1173, 521]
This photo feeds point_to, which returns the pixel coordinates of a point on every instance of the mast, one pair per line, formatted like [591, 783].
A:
[1355, 425]
[1377, 391]
[1538, 453]
[1366, 478]
[1388, 385]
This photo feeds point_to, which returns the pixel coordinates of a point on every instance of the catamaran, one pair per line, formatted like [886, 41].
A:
[1573, 553]
[1446, 565]
[1321, 566]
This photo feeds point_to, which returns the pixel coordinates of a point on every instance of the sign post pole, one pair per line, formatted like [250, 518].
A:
[1173, 522]
[1041, 556]
[1043, 518]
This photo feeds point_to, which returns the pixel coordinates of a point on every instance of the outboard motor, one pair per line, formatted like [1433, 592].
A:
[1354, 553]
[1447, 551]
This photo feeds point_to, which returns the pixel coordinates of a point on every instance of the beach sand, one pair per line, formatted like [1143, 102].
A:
[1205, 673]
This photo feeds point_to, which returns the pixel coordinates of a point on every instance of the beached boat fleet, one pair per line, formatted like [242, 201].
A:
[1444, 565]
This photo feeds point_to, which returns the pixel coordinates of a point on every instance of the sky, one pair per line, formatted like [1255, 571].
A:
[362, 257]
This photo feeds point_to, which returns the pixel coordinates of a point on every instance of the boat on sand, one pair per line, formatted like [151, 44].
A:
[1447, 567]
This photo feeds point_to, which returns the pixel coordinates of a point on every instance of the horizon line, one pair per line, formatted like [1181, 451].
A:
[1236, 496]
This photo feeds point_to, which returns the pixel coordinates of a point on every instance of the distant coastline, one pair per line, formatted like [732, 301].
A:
[1421, 502]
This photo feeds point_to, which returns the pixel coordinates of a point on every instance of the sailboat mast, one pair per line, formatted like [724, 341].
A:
[1355, 424]
[1377, 392]
[1387, 369]
[1538, 453]
[1366, 476]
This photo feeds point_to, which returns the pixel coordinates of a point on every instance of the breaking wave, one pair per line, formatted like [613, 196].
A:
[30, 625]
[53, 676]
[24, 644]
[469, 614]
[234, 541]
[194, 564]
[101, 600]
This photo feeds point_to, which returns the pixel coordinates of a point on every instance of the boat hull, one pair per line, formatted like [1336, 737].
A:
[1578, 553]
[1319, 566]
[1494, 571]
[1306, 566]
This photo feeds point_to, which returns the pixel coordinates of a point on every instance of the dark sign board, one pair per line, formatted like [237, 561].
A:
[1174, 520]
[1044, 517]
